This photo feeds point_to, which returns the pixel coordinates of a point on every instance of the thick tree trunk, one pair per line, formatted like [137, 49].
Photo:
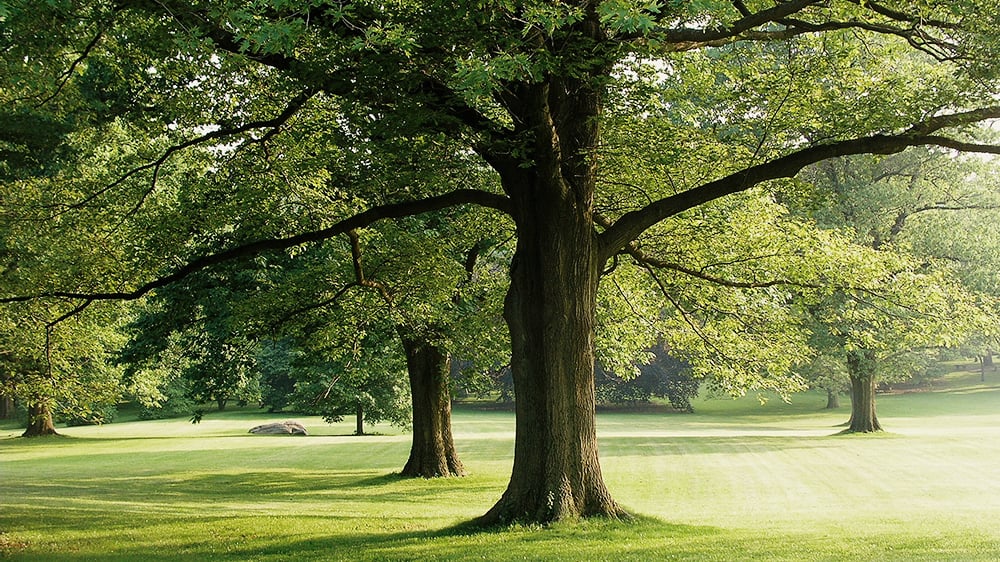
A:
[550, 311]
[39, 421]
[550, 307]
[832, 399]
[861, 368]
[432, 452]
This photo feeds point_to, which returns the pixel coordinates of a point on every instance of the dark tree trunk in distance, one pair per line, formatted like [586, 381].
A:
[832, 399]
[6, 407]
[861, 368]
[359, 419]
[432, 452]
[39, 421]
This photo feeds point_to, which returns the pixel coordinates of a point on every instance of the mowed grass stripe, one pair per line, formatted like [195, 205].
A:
[735, 481]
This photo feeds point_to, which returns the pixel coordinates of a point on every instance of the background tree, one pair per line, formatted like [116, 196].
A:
[920, 302]
[663, 377]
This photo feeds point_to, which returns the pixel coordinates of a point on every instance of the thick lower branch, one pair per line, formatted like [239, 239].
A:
[632, 224]
[375, 214]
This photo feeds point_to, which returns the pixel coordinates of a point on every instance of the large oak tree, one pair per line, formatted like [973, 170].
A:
[525, 86]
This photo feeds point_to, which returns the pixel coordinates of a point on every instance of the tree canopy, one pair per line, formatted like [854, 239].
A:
[714, 98]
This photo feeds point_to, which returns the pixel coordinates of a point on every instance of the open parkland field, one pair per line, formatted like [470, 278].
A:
[737, 480]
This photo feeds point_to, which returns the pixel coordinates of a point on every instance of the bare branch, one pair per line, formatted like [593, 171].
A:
[779, 23]
[646, 260]
[359, 272]
[684, 39]
[315, 305]
[68, 73]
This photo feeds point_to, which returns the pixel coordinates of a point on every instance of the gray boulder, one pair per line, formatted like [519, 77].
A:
[280, 428]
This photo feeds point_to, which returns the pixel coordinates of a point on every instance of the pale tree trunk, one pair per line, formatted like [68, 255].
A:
[39, 421]
[861, 368]
[432, 452]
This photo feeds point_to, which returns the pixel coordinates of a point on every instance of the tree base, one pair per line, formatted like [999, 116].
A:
[39, 432]
[504, 517]
[868, 428]
[436, 468]
[39, 422]
[532, 509]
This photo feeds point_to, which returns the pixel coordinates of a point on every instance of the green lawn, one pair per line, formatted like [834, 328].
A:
[735, 481]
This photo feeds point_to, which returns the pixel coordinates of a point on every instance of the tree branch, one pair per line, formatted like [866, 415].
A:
[754, 26]
[630, 225]
[360, 220]
[293, 107]
[68, 73]
[646, 261]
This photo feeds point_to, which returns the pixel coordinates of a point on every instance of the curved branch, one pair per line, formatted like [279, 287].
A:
[632, 224]
[293, 107]
[760, 26]
[646, 261]
[680, 37]
[68, 73]
[366, 218]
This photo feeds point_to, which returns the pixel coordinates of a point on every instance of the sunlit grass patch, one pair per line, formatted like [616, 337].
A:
[736, 480]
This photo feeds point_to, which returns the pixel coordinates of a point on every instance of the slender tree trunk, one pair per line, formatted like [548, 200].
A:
[432, 452]
[6, 400]
[832, 399]
[221, 403]
[39, 421]
[6, 407]
[359, 419]
[861, 368]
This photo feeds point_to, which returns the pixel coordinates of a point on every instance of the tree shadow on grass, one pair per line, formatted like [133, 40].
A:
[590, 539]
